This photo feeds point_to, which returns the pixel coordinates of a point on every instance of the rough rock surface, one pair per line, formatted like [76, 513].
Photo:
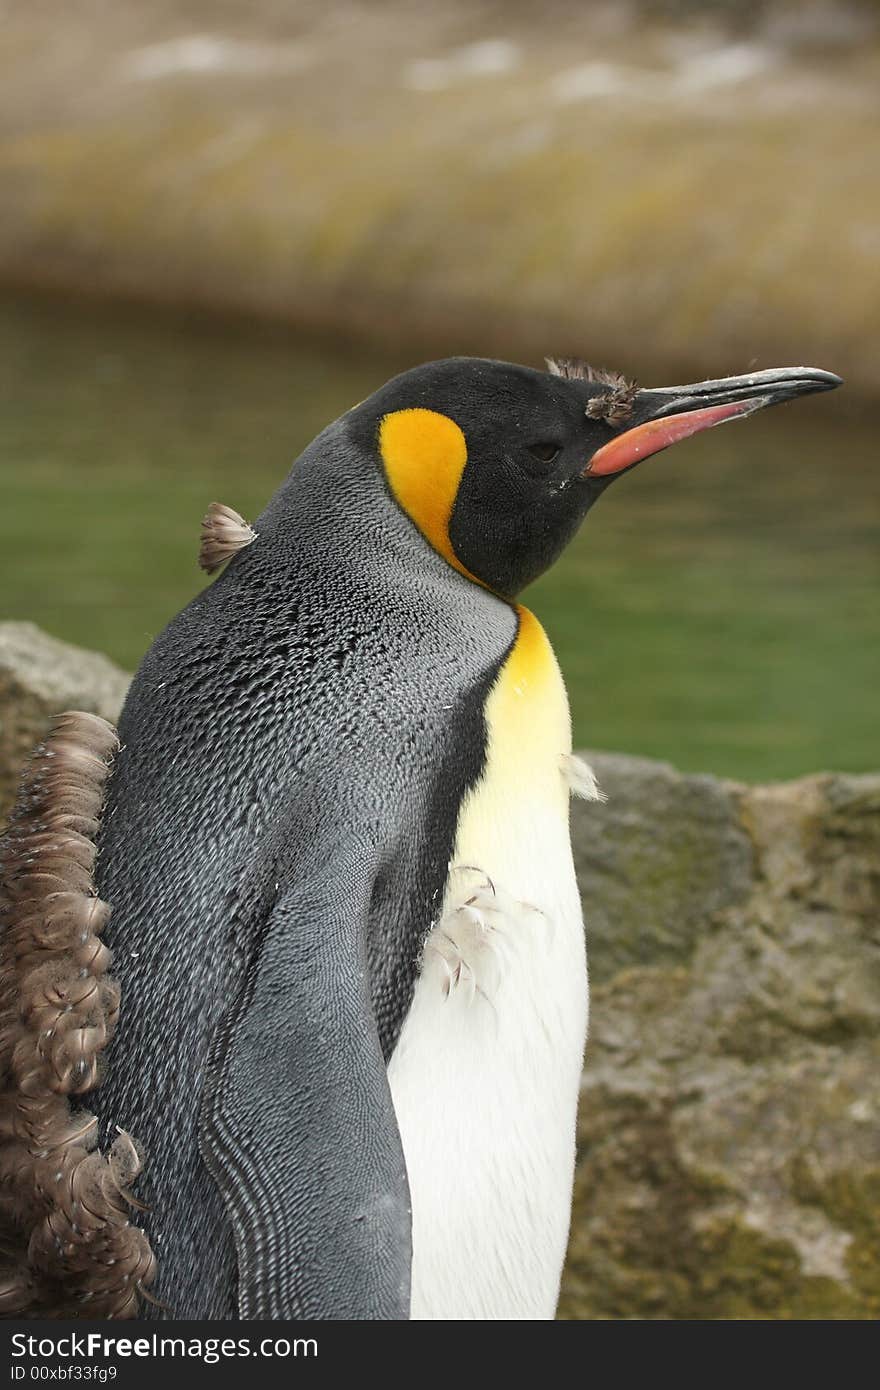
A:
[39, 677]
[729, 1137]
[655, 862]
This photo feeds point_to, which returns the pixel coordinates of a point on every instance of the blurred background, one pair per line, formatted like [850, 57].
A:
[223, 223]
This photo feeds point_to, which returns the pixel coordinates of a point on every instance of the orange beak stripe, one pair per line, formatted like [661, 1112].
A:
[654, 435]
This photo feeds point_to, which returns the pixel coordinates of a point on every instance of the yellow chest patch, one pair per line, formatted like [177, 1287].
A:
[518, 811]
[528, 720]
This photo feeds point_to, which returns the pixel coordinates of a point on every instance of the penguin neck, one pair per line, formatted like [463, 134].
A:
[336, 509]
[336, 512]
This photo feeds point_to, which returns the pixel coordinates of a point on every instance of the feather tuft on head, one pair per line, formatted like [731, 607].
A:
[614, 406]
[224, 534]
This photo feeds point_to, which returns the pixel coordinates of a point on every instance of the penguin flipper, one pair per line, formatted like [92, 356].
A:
[298, 1127]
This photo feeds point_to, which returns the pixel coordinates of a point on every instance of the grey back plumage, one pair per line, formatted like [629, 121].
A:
[335, 674]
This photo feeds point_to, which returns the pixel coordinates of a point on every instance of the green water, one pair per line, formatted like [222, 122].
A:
[719, 608]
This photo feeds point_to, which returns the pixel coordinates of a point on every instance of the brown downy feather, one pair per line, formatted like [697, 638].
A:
[224, 534]
[614, 406]
[67, 1248]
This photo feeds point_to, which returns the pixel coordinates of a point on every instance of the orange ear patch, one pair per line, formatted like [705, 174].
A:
[424, 454]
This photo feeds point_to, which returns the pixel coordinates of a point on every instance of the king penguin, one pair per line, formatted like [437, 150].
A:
[346, 932]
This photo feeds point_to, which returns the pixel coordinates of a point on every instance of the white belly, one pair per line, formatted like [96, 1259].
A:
[486, 1073]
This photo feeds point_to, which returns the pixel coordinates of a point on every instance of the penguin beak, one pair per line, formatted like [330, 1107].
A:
[664, 415]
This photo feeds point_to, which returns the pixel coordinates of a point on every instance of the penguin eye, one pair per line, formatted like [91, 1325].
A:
[546, 451]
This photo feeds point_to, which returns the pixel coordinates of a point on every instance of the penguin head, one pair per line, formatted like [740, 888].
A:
[497, 465]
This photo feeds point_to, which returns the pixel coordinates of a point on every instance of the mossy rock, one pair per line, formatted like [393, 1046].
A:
[729, 1136]
[656, 862]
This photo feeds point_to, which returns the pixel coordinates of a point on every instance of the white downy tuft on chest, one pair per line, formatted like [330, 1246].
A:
[485, 1075]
